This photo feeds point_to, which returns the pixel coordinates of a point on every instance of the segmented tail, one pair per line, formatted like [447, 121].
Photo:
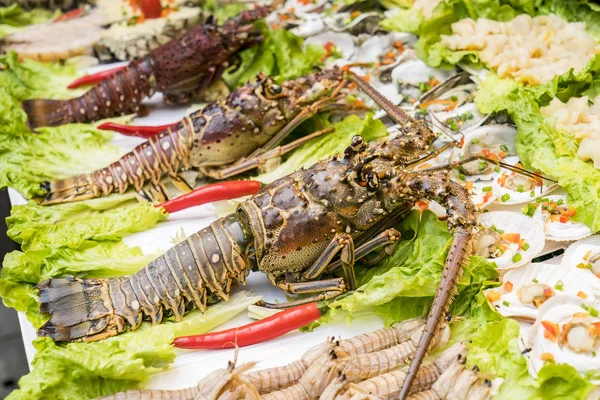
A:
[164, 153]
[42, 112]
[118, 94]
[198, 271]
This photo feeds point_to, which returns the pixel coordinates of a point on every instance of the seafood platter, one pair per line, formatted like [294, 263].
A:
[303, 199]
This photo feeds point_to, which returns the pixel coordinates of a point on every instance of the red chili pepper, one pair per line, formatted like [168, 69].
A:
[209, 193]
[150, 8]
[255, 332]
[94, 78]
[76, 13]
[134, 130]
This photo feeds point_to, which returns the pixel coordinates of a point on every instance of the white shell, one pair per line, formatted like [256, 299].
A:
[343, 41]
[516, 197]
[372, 48]
[559, 310]
[515, 222]
[476, 121]
[561, 231]
[490, 137]
[415, 71]
[311, 25]
[573, 282]
[574, 255]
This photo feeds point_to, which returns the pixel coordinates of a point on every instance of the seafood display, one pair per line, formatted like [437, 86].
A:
[179, 69]
[420, 167]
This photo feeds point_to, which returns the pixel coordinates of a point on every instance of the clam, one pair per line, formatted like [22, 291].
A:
[584, 255]
[509, 239]
[555, 215]
[492, 141]
[526, 288]
[565, 332]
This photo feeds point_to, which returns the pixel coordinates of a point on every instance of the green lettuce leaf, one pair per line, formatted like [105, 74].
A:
[88, 370]
[28, 159]
[403, 285]
[30, 79]
[71, 225]
[576, 11]
[223, 11]
[282, 55]
[539, 145]
[13, 18]
[328, 144]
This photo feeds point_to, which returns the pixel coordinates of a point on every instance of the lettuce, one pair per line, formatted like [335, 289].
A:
[30, 79]
[403, 285]
[223, 11]
[71, 225]
[539, 145]
[13, 18]
[89, 370]
[328, 144]
[282, 55]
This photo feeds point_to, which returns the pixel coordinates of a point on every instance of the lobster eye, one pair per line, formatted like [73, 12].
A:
[275, 89]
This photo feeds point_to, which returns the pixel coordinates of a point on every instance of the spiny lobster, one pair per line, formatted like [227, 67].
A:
[223, 139]
[182, 69]
[298, 230]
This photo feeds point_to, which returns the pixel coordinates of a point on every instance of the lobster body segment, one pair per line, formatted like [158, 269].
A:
[183, 69]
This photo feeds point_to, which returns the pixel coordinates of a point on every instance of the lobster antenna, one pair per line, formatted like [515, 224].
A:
[440, 125]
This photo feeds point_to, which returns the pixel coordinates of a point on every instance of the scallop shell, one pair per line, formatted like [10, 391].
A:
[343, 41]
[514, 222]
[516, 197]
[415, 71]
[559, 231]
[475, 121]
[576, 254]
[367, 22]
[510, 304]
[559, 310]
[488, 137]
[310, 25]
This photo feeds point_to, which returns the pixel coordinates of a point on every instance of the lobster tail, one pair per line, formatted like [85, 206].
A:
[79, 309]
[119, 94]
[162, 154]
[43, 112]
[198, 271]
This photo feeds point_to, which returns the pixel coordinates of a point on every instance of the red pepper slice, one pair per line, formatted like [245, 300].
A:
[150, 8]
[134, 130]
[255, 332]
[213, 192]
[76, 13]
[94, 78]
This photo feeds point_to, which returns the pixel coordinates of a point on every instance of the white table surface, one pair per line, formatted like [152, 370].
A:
[190, 366]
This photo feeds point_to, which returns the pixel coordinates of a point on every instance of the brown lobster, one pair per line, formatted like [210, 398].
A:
[298, 230]
[181, 69]
[223, 139]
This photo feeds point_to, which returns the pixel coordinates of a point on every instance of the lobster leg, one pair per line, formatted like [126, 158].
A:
[341, 242]
[387, 239]
[158, 193]
[254, 162]
[461, 219]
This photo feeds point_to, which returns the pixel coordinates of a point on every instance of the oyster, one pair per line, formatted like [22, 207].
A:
[555, 215]
[526, 288]
[567, 331]
[415, 78]
[339, 46]
[584, 255]
[354, 22]
[508, 239]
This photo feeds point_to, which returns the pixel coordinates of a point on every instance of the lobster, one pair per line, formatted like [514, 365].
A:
[182, 69]
[298, 230]
[225, 138]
